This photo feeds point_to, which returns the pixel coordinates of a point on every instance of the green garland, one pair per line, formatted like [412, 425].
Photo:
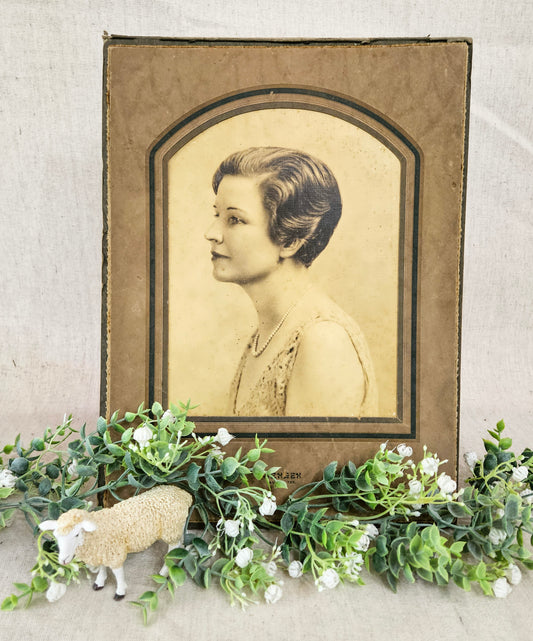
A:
[390, 515]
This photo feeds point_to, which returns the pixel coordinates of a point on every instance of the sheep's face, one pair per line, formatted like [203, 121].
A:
[68, 536]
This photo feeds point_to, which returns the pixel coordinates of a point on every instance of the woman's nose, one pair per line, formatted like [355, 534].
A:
[214, 232]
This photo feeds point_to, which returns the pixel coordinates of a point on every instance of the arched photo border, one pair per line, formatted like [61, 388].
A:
[234, 105]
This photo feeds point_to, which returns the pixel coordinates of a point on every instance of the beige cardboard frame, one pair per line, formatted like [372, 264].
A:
[410, 96]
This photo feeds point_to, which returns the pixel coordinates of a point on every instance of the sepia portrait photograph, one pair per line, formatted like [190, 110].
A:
[284, 299]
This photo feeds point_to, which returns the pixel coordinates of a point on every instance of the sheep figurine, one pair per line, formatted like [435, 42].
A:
[104, 538]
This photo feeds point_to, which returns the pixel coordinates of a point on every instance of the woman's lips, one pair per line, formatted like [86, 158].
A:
[215, 255]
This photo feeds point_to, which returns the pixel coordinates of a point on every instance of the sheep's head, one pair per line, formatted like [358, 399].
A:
[68, 531]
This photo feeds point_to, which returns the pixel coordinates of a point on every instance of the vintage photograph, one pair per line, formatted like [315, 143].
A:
[284, 299]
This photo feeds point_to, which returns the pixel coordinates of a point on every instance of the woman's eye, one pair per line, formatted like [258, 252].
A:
[233, 220]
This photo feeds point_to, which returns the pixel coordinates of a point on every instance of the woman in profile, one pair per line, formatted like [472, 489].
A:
[275, 211]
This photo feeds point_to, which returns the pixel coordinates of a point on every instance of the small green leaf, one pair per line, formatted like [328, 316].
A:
[130, 416]
[512, 506]
[39, 584]
[457, 547]
[116, 450]
[190, 564]
[126, 435]
[19, 466]
[54, 511]
[10, 603]
[259, 469]
[506, 443]
[408, 573]
[45, 486]
[253, 455]
[329, 471]
[157, 409]
[192, 476]
[177, 553]
[159, 579]
[201, 546]
[213, 483]
[52, 471]
[490, 446]
[38, 444]
[287, 523]
[101, 425]
[458, 510]
[381, 545]
[229, 466]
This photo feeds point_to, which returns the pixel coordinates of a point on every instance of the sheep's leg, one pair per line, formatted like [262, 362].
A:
[171, 546]
[101, 577]
[121, 583]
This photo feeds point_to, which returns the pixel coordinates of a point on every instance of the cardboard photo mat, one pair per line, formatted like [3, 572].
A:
[391, 119]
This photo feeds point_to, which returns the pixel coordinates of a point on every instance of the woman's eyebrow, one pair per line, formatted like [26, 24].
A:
[230, 208]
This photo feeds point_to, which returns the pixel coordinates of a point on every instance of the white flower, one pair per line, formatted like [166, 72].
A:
[217, 453]
[71, 469]
[499, 513]
[371, 530]
[143, 435]
[429, 465]
[415, 488]
[514, 576]
[223, 436]
[404, 450]
[168, 417]
[268, 507]
[363, 543]
[355, 523]
[471, 458]
[7, 478]
[446, 484]
[55, 591]
[353, 565]
[501, 588]
[497, 536]
[273, 593]
[270, 568]
[295, 569]
[520, 474]
[244, 557]
[329, 579]
[231, 528]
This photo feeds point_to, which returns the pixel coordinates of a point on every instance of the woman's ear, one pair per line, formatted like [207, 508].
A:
[288, 250]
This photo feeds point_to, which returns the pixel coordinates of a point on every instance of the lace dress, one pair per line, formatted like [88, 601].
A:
[269, 395]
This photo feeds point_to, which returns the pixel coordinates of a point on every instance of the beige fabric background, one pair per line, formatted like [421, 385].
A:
[50, 261]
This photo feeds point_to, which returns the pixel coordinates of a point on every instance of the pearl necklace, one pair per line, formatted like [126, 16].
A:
[256, 351]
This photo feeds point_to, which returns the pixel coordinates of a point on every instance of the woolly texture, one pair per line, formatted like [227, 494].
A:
[130, 526]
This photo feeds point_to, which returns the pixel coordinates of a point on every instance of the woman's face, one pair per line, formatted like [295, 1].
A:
[242, 251]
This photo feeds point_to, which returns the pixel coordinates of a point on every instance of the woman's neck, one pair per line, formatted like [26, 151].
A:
[275, 294]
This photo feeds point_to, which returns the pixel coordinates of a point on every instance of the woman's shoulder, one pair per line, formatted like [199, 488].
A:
[322, 314]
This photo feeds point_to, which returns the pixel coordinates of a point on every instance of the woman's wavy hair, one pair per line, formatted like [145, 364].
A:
[299, 193]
